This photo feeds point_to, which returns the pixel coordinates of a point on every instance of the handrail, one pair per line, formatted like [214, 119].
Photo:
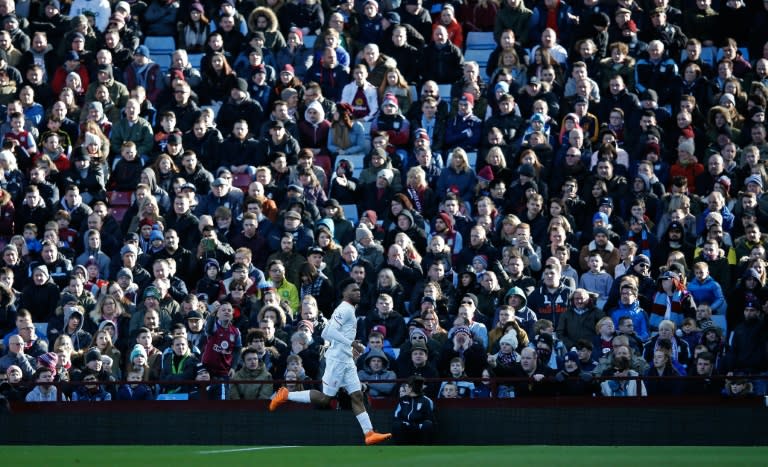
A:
[494, 381]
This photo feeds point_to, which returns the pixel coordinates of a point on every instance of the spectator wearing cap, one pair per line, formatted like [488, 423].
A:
[420, 362]
[222, 194]
[72, 64]
[391, 120]
[291, 228]
[280, 141]
[506, 120]
[153, 299]
[127, 30]
[52, 22]
[533, 91]
[193, 29]
[672, 301]
[239, 106]
[118, 92]
[746, 344]
[369, 22]
[142, 71]
[674, 238]
[662, 29]
[378, 194]
[442, 60]
[602, 244]
[129, 260]
[314, 131]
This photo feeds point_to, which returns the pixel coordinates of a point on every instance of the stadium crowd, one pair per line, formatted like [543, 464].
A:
[588, 203]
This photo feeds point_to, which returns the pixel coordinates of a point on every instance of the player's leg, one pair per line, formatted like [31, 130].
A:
[312, 396]
[354, 388]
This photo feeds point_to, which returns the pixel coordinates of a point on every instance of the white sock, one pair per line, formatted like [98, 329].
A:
[365, 422]
[299, 396]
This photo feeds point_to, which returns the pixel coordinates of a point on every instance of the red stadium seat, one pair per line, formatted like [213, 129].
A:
[119, 198]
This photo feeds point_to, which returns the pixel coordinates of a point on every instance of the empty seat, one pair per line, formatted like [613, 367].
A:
[350, 212]
[119, 198]
[241, 181]
[119, 212]
[479, 56]
[480, 41]
[445, 93]
[309, 41]
[163, 60]
[160, 44]
[195, 60]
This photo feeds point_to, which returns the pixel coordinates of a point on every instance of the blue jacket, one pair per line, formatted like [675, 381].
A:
[638, 315]
[708, 292]
[464, 182]
[463, 132]
[728, 219]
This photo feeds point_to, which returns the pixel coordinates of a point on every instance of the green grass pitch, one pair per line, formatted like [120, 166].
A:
[383, 455]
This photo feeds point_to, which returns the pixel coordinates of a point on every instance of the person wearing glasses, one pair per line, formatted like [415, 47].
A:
[16, 356]
[640, 271]
[629, 305]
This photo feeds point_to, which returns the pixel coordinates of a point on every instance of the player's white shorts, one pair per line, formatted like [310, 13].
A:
[340, 374]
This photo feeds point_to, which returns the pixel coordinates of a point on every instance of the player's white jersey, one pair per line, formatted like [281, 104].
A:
[343, 321]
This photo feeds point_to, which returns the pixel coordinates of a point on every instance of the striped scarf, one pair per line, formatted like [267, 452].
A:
[666, 307]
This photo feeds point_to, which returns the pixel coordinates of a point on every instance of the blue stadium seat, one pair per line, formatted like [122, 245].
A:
[160, 45]
[480, 41]
[163, 60]
[195, 60]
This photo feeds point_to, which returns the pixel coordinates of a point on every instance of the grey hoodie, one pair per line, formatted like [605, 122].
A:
[80, 339]
[367, 375]
[525, 316]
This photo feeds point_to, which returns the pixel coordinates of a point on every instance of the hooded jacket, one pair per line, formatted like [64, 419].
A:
[273, 38]
[525, 316]
[80, 339]
[314, 135]
[367, 374]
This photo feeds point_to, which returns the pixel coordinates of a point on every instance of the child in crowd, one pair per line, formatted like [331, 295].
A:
[43, 392]
[596, 280]
[135, 389]
[460, 389]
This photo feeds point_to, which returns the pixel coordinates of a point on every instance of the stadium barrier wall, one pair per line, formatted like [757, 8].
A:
[554, 421]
